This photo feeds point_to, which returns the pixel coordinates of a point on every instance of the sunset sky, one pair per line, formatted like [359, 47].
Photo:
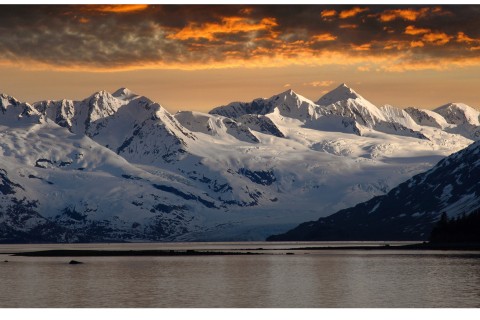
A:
[199, 57]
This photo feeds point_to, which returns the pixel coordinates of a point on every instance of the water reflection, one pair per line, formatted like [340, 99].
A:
[331, 279]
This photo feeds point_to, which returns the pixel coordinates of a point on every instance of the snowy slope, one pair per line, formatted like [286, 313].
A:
[427, 118]
[462, 119]
[400, 116]
[459, 113]
[131, 125]
[78, 116]
[119, 166]
[288, 104]
[454, 118]
[342, 109]
[261, 124]
[13, 113]
[218, 126]
[91, 193]
[344, 101]
[408, 211]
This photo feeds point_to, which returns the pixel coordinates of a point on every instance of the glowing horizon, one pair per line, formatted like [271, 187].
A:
[405, 55]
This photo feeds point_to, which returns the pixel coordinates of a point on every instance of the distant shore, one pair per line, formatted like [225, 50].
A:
[415, 246]
[125, 253]
[248, 251]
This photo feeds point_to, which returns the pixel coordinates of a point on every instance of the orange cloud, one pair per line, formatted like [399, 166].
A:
[324, 37]
[437, 39]
[412, 30]
[405, 14]
[239, 40]
[325, 14]
[287, 55]
[352, 12]
[348, 26]
[121, 8]
[228, 25]
[395, 44]
[462, 37]
[363, 47]
[416, 44]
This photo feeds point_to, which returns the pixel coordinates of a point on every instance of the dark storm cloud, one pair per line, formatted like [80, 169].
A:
[138, 36]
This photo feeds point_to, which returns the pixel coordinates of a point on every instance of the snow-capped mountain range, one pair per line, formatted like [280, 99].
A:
[120, 167]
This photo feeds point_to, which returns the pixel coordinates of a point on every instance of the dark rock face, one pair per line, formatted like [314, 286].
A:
[21, 223]
[423, 118]
[6, 185]
[71, 216]
[240, 131]
[407, 212]
[265, 178]
[19, 219]
[257, 106]
[184, 195]
[260, 123]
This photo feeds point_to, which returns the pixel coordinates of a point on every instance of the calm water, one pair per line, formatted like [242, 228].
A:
[306, 279]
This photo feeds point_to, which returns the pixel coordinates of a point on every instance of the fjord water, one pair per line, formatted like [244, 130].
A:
[308, 278]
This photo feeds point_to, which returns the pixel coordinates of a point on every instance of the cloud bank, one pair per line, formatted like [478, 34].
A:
[126, 37]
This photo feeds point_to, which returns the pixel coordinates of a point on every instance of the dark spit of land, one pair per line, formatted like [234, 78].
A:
[415, 246]
[125, 253]
[121, 253]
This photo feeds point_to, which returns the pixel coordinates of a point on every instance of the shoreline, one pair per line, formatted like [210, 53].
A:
[416, 247]
[245, 251]
[126, 253]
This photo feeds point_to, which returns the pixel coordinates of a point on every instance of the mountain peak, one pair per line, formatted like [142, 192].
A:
[345, 102]
[284, 95]
[100, 94]
[99, 105]
[290, 94]
[342, 92]
[15, 112]
[124, 94]
[459, 113]
[6, 100]
[289, 101]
